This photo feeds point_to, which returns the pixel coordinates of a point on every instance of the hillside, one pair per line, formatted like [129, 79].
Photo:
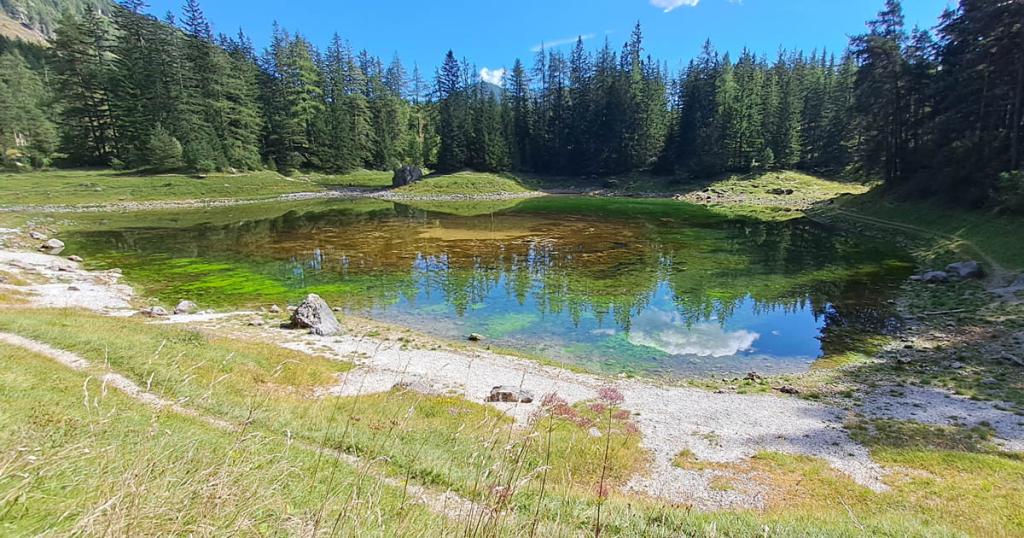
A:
[36, 20]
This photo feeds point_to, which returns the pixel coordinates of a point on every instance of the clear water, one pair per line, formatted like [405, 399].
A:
[648, 287]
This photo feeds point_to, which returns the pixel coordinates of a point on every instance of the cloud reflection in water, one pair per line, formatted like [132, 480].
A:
[666, 331]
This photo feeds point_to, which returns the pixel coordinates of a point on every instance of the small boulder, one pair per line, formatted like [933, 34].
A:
[968, 269]
[413, 386]
[315, 314]
[475, 337]
[52, 245]
[754, 376]
[256, 322]
[274, 309]
[185, 307]
[406, 175]
[786, 389]
[76, 259]
[155, 312]
[504, 393]
[935, 277]
[37, 236]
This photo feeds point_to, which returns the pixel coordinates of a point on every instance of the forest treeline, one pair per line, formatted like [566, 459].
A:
[934, 112]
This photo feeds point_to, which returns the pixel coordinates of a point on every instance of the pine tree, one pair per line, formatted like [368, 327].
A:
[880, 92]
[26, 129]
[84, 77]
[452, 120]
[163, 152]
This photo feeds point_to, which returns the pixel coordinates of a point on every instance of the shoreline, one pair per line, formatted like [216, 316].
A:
[339, 194]
[717, 427]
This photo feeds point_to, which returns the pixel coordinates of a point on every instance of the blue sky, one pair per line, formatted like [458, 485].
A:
[492, 33]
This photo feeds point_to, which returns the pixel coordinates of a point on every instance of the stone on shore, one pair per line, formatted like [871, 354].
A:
[968, 269]
[185, 307]
[52, 245]
[315, 314]
[935, 277]
[504, 393]
[406, 175]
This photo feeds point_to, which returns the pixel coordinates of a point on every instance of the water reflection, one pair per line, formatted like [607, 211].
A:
[618, 285]
[668, 332]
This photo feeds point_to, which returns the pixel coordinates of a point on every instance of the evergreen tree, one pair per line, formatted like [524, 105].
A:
[880, 92]
[163, 151]
[26, 129]
[452, 116]
[84, 76]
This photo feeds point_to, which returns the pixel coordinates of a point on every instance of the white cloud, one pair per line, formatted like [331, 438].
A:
[494, 76]
[560, 41]
[669, 5]
[668, 332]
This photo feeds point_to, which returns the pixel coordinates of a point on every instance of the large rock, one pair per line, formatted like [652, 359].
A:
[185, 307]
[968, 269]
[505, 393]
[406, 175]
[314, 314]
[52, 245]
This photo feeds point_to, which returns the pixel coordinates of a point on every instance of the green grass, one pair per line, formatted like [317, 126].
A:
[464, 183]
[997, 235]
[83, 187]
[946, 483]
[74, 187]
[80, 459]
[369, 179]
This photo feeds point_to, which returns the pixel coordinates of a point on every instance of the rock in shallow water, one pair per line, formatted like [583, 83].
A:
[314, 314]
[52, 245]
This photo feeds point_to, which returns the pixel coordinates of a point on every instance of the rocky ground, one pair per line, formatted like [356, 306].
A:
[715, 427]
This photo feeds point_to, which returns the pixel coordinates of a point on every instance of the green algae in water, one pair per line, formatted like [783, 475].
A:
[616, 285]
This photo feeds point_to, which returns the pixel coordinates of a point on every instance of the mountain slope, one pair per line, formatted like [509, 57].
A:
[36, 20]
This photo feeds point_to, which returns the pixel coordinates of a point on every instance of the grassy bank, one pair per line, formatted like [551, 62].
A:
[78, 458]
[464, 184]
[942, 228]
[547, 477]
[81, 187]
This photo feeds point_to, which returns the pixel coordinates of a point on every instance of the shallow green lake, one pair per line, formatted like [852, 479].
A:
[654, 287]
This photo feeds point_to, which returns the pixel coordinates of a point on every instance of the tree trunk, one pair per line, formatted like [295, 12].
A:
[1018, 103]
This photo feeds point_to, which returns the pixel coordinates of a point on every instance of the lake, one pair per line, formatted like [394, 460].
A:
[647, 287]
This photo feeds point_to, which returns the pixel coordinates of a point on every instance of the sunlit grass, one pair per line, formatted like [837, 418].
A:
[464, 183]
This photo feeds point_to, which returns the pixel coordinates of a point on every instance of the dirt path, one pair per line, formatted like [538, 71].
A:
[446, 503]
